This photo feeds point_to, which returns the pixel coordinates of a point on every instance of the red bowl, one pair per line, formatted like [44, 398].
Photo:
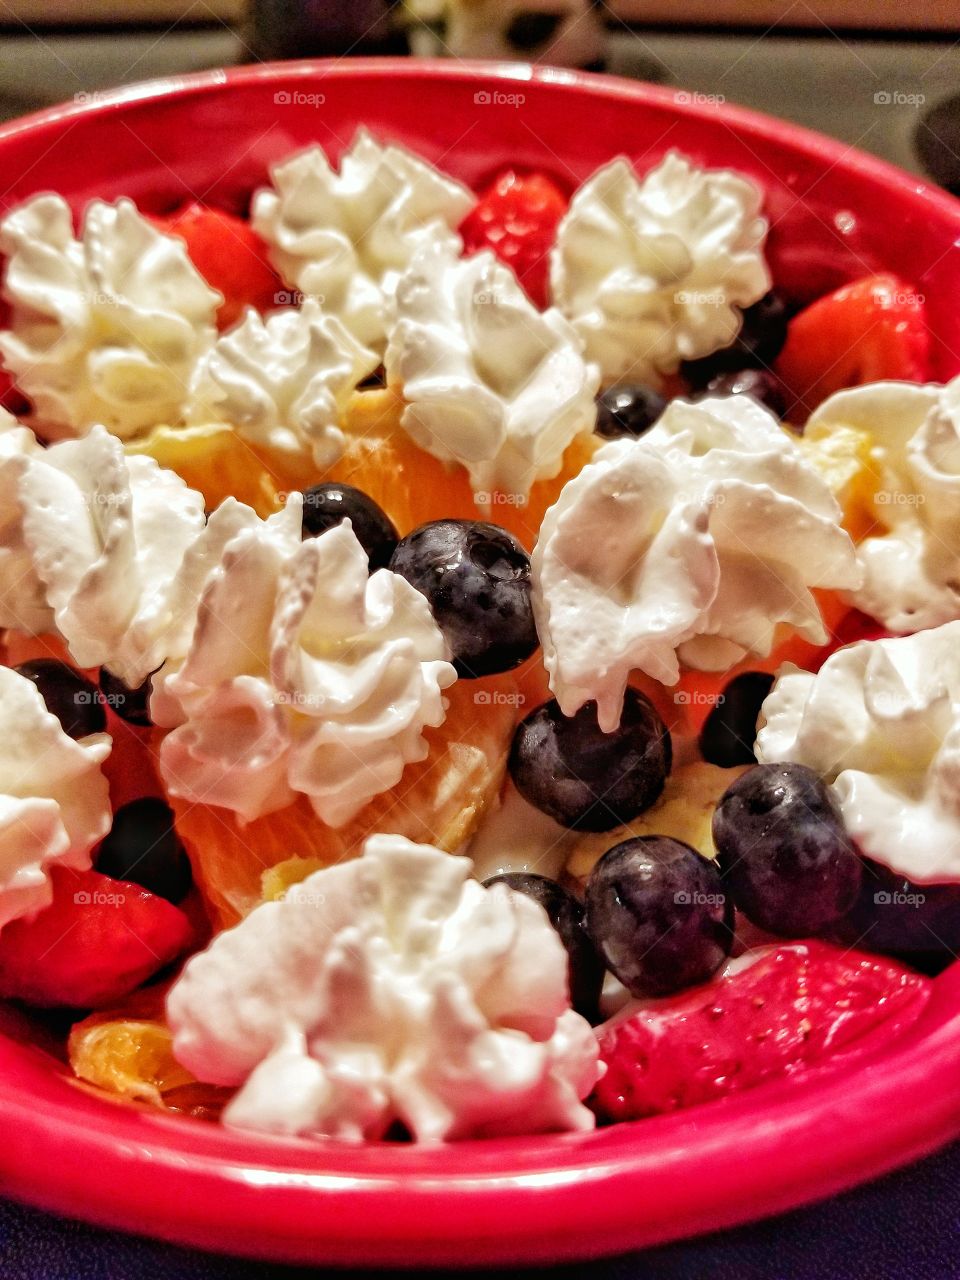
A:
[835, 214]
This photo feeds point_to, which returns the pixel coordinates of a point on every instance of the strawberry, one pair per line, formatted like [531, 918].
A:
[871, 330]
[97, 941]
[517, 218]
[792, 1008]
[230, 256]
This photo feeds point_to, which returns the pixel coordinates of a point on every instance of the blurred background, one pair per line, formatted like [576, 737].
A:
[881, 74]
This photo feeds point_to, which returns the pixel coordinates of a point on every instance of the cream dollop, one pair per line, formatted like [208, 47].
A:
[390, 988]
[880, 722]
[54, 797]
[693, 543]
[653, 270]
[106, 535]
[344, 237]
[912, 568]
[106, 328]
[302, 675]
[23, 601]
[489, 381]
[283, 382]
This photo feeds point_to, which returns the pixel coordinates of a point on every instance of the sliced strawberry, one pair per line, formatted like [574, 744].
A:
[97, 941]
[793, 1007]
[230, 256]
[517, 218]
[872, 330]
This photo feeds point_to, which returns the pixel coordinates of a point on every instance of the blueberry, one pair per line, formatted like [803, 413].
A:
[788, 862]
[586, 969]
[756, 346]
[143, 847]
[129, 704]
[476, 577]
[759, 384]
[658, 914]
[584, 778]
[628, 410]
[327, 505]
[68, 695]
[730, 730]
[918, 923]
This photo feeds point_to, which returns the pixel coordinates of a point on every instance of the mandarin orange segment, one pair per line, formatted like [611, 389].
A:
[217, 462]
[439, 800]
[413, 486]
[128, 1051]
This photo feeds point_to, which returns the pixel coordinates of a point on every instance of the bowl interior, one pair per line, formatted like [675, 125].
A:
[835, 214]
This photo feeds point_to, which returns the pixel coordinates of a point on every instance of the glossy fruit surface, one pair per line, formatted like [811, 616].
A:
[790, 1009]
[628, 409]
[68, 695]
[759, 384]
[783, 850]
[327, 505]
[586, 779]
[659, 915]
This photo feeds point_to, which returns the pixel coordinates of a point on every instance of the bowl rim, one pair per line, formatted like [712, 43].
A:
[521, 1200]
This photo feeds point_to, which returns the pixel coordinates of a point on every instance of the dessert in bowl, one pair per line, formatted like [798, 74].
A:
[494, 630]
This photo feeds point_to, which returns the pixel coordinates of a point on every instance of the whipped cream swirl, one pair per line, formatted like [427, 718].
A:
[912, 563]
[653, 271]
[302, 673]
[54, 798]
[283, 382]
[489, 381]
[390, 988]
[105, 535]
[107, 328]
[23, 600]
[880, 722]
[693, 543]
[344, 237]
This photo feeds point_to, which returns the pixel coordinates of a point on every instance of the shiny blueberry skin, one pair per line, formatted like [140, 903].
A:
[129, 704]
[143, 847]
[730, 730]
[756, 346]
[759, 384]
[659, 915]
[917, 923]
[68, 695]
[628, 410]
[782, 849]
[327, 505]
[586, 779]
[476, 577]
[586, 969]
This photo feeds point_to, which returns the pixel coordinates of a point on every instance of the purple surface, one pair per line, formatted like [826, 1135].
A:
[903, 1227]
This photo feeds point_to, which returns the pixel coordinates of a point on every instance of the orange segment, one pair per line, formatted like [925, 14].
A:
[438, 801]
[413, 486]
[128, 1051]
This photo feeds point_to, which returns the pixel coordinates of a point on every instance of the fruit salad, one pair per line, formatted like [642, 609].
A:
[474, 663]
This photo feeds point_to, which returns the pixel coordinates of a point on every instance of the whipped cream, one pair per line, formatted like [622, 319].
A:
[54, 798]
[105, 535]
[515, 836]
[693, 543]
[489, 381]
[911, 568]
[283, 382]
[653, 271]
[880, 722]
[345, 237]
[302, 674]
[23, 601]
[390, 988]
[106, 328]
